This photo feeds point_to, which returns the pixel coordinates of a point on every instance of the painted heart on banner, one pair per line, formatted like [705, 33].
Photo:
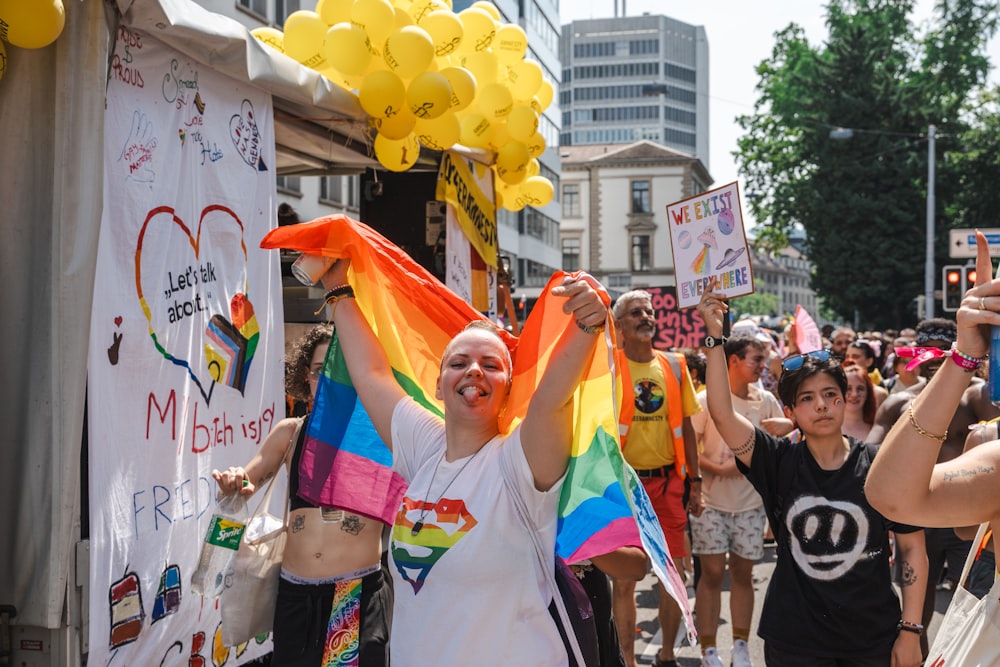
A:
[246, 137]
[192, 290]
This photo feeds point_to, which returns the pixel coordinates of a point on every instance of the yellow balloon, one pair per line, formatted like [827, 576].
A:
[509, 44]
[270, 36]
[429, 95]
[500, 136]
[463, 86]
[477, 130]
[522, 122]
[525, 78]
[382, 94]
[483, 65]
[305, 33]
[402, 19]
[334, 11]
[536, 145]
[495, 101]
[544, 95]
[3, 60]
[445, 29]
[346, 47]
[31, 24]
[402, 4]
[489, 8]
[479, 28]
[397, 126]
[512, 159]
[421, 8]
[375, 17]
[511, 195]
[438, 134]
[532, 169]
[397, 154]
[408, 51]
[537, 191]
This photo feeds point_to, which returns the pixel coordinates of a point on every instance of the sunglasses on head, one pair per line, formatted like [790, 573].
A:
[794, 362]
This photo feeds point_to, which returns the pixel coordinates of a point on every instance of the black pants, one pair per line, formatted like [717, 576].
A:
[775, 657]
[302, 614]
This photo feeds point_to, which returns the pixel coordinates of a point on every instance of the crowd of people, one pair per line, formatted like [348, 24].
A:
[745, 441]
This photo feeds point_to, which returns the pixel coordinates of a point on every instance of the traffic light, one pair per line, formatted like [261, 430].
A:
[952, 287]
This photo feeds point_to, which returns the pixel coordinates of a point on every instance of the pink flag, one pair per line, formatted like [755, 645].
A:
[807, 335]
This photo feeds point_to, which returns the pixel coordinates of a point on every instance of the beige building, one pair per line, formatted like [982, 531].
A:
[614, 210]
[785, 274]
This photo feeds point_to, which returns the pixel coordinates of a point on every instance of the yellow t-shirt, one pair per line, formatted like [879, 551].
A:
[650, 442]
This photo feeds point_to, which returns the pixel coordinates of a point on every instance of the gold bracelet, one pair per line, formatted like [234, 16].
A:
[924, 432]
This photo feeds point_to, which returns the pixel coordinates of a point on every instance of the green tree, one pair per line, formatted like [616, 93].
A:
[862, 201]
[758, 303]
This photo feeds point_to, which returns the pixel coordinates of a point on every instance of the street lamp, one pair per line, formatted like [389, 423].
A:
[840, 133]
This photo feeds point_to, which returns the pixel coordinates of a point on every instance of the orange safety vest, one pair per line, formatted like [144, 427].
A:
[674, 368]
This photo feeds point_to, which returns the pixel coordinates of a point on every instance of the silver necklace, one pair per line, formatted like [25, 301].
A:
[425, 510]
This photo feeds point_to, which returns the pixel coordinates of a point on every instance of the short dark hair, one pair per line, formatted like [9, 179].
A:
[738, 343]
[788, 385]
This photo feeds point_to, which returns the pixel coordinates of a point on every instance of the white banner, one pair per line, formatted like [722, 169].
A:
[186, 346]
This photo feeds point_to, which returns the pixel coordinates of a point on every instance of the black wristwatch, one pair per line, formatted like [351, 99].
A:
[712, 341]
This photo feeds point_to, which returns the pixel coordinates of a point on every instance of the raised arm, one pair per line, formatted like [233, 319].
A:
[905, 483]
[367, 363]
[547, 430]
[736, 430]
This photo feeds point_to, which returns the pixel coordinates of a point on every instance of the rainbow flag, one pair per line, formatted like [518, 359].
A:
[603, 505]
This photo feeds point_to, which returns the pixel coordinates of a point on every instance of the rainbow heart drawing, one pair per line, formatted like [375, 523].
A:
[198, 304]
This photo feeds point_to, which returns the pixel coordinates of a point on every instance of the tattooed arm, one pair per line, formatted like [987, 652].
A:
[913, 581]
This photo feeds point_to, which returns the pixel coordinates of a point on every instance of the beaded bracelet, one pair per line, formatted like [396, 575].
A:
[924, 432]
[915, 628]
[966, 362]
[587, 329]
[336, 294]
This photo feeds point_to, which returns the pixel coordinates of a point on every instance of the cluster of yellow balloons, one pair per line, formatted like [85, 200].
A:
[29, 25]
[431, 77]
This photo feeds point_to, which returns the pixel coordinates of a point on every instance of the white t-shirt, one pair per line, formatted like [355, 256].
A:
[730, 494]
[468, 587]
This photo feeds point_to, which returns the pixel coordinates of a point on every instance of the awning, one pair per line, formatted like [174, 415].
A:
[320, 128]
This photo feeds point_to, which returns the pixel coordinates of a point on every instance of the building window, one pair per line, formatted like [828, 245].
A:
[284, 8]
[352, 196]
[258, 7]
[640, 197]
[640, 253]
[571, 200]
[331, 189]
[289, 184]
[571, 254]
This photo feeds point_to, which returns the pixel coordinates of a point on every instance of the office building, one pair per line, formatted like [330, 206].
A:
[635, 78]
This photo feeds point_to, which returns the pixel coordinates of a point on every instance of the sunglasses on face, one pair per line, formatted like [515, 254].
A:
[794, 362]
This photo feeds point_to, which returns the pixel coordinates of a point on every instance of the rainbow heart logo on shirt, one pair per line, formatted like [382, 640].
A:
[445, 523]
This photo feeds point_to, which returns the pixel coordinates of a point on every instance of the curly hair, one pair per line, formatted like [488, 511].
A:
[300, 358]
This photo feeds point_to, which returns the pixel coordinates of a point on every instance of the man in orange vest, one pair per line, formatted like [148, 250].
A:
[657, 440]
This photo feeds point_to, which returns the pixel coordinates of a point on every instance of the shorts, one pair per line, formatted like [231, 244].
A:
[666, 495]
[302, 615]
[775, 657]
[739, 533]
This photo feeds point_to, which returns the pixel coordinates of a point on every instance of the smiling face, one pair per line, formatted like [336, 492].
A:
[819, 406]
[857, 390]
[475, 375]
[638, 320]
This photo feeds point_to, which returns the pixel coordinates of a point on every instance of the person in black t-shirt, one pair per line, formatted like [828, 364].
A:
[830, 601]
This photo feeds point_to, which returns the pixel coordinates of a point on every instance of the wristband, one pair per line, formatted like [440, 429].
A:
[694, 479]
[966, 362]
[915, 628]
[339, 291]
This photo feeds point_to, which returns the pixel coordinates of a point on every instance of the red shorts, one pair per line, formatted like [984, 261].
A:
[667, 496]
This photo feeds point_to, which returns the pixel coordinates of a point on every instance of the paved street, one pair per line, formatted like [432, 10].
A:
[649, 639]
